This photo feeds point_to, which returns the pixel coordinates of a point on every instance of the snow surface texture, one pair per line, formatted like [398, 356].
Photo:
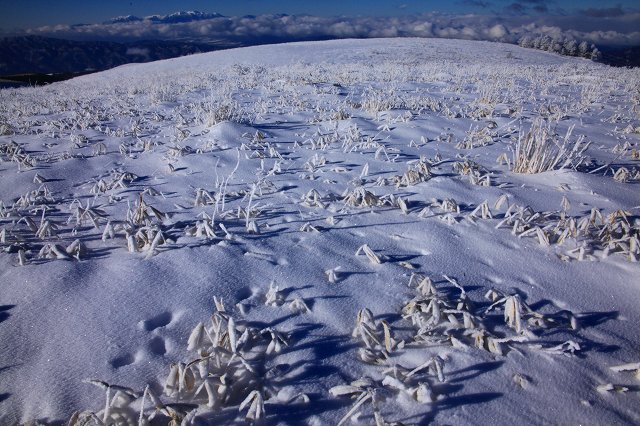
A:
[355, 207]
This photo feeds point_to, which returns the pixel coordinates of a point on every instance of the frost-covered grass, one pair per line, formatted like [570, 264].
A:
[384, 230]
[538, 150]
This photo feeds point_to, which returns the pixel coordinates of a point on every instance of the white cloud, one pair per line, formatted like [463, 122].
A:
[616, 30]
[498, 32]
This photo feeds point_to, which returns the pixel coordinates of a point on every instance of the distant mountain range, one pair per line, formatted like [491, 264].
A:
[174, 18]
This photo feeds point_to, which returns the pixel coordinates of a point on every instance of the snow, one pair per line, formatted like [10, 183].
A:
[259, 130]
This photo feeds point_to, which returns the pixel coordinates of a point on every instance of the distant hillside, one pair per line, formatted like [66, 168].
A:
[35, 54]
[44, 55]
[621, 56]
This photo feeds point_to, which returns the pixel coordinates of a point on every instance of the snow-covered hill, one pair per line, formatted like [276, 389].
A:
[444, 231]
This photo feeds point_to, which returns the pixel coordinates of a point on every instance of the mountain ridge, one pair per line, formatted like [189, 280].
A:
[37, 54]
[171, 18]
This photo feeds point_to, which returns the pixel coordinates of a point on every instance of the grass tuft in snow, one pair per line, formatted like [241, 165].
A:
[540, 150]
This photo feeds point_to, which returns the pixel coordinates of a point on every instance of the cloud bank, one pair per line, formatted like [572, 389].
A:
[599, 26]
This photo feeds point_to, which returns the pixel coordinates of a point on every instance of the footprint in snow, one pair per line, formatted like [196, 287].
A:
[157, 346]
[158, 321]
[122, 361]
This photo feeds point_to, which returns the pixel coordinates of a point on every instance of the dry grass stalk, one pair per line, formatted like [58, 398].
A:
[538, 150]
[371, 255]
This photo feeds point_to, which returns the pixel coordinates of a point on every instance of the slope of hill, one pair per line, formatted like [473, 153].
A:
[356, 231]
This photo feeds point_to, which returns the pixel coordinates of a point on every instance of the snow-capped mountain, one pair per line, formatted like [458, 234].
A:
[123, 19]
[187, 16]
[172, 18]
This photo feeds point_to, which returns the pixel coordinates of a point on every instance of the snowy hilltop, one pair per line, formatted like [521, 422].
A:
[384, 231]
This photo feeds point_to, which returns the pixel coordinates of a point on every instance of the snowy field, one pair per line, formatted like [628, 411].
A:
[356, 232]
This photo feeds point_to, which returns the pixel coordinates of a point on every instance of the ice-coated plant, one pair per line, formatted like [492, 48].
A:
[90, 213]
[417, 173]
[277, 340]
[254, 403]
[371, 255]
[76, 249]
[632, 366]
[42, 195]
[613, 234]
[362, 390]
[299, 305]
[610, 387]
[47, 229]
[448, 205]
[368, 330]
[204, 198]
[313, 199]
[539, 150]
[481, 211]
[144, 213]
[360, 197]
[228, 371]
[307, 227]
[478, 137]
[117, 409]
[423, 284]
[567, 348]
[274, 297]
[333, 275]
[514, 309]
[145, 239]
[53, 251]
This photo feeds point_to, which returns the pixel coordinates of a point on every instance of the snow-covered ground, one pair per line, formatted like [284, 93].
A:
[355, 207]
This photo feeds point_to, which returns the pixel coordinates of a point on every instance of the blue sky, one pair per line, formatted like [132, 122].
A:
[33, 13]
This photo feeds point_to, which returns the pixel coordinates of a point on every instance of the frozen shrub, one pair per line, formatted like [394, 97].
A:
[539, 150]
